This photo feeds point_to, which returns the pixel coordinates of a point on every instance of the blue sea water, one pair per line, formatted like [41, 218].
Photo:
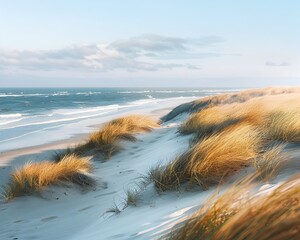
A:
[34, 116]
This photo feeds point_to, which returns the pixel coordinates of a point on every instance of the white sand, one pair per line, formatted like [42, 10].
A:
[68, 213]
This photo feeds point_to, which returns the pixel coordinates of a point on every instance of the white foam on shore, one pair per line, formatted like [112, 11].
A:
[12, 115]
[28, 131]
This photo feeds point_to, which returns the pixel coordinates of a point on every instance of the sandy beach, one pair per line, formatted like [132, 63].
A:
[69, 212]
[57, 217]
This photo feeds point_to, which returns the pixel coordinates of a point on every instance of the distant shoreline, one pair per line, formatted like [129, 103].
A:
[5, 156]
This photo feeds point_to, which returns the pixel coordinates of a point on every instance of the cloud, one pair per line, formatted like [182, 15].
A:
[146, 53]
[276, 64]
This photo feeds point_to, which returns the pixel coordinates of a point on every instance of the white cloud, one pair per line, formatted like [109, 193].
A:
[146, 53]
[276, 64]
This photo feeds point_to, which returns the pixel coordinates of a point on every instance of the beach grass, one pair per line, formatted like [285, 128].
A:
[240, 214]
[107, 140]
[228, 137]
[268, 163]
[211, 160]
[284, 125]
[228, 98]
[33, 177]
[218, 118]
[132, 197]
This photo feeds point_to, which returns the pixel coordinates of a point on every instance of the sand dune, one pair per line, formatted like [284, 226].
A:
[199, 151]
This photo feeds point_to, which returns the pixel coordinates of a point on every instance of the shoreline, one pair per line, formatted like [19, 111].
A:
[7, 156]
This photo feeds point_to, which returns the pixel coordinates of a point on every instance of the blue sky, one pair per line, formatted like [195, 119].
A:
[149, 43]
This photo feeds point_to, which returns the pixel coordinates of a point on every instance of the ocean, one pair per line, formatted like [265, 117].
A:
[35, 116]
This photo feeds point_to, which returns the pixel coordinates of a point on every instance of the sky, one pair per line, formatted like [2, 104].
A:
[150, 43]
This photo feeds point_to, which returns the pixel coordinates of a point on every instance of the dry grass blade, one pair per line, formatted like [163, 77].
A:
[114, 209]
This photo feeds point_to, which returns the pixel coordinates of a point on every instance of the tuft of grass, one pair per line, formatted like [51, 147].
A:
[132, 197]
[284, 125]
[136, 123]
[212, 160]
[133, 194]
[268, 216]
[268, 163]
[215, 119]
[223, 154]
[107, 140]
[241, 215]
[33, 177]
[167, 177]
[204, 223]
[206, 121]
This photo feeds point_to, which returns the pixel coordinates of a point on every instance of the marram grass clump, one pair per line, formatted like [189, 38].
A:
[241, 214]
[107, 140]
[284, 125]
[211, 160]
[33, 177]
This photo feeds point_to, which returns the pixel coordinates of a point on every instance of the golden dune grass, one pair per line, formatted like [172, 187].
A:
[269, 163]
[211, 160]
[228, 136]
[238, 214]
[221, 99]
[33, 177]
[207, 121]
[223, 154]
[136, 123]
[284, 125]
[277, 116]
[214, 119]
[106, 140]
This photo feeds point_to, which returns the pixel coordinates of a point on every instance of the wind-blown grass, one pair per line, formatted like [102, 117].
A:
[221, 145]
[207, 122]
[33, 177]
[269, 163]
[211, 160]
[239, 214]
[218, 118]
[221, 99]
[107, 140]
[284, 125]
